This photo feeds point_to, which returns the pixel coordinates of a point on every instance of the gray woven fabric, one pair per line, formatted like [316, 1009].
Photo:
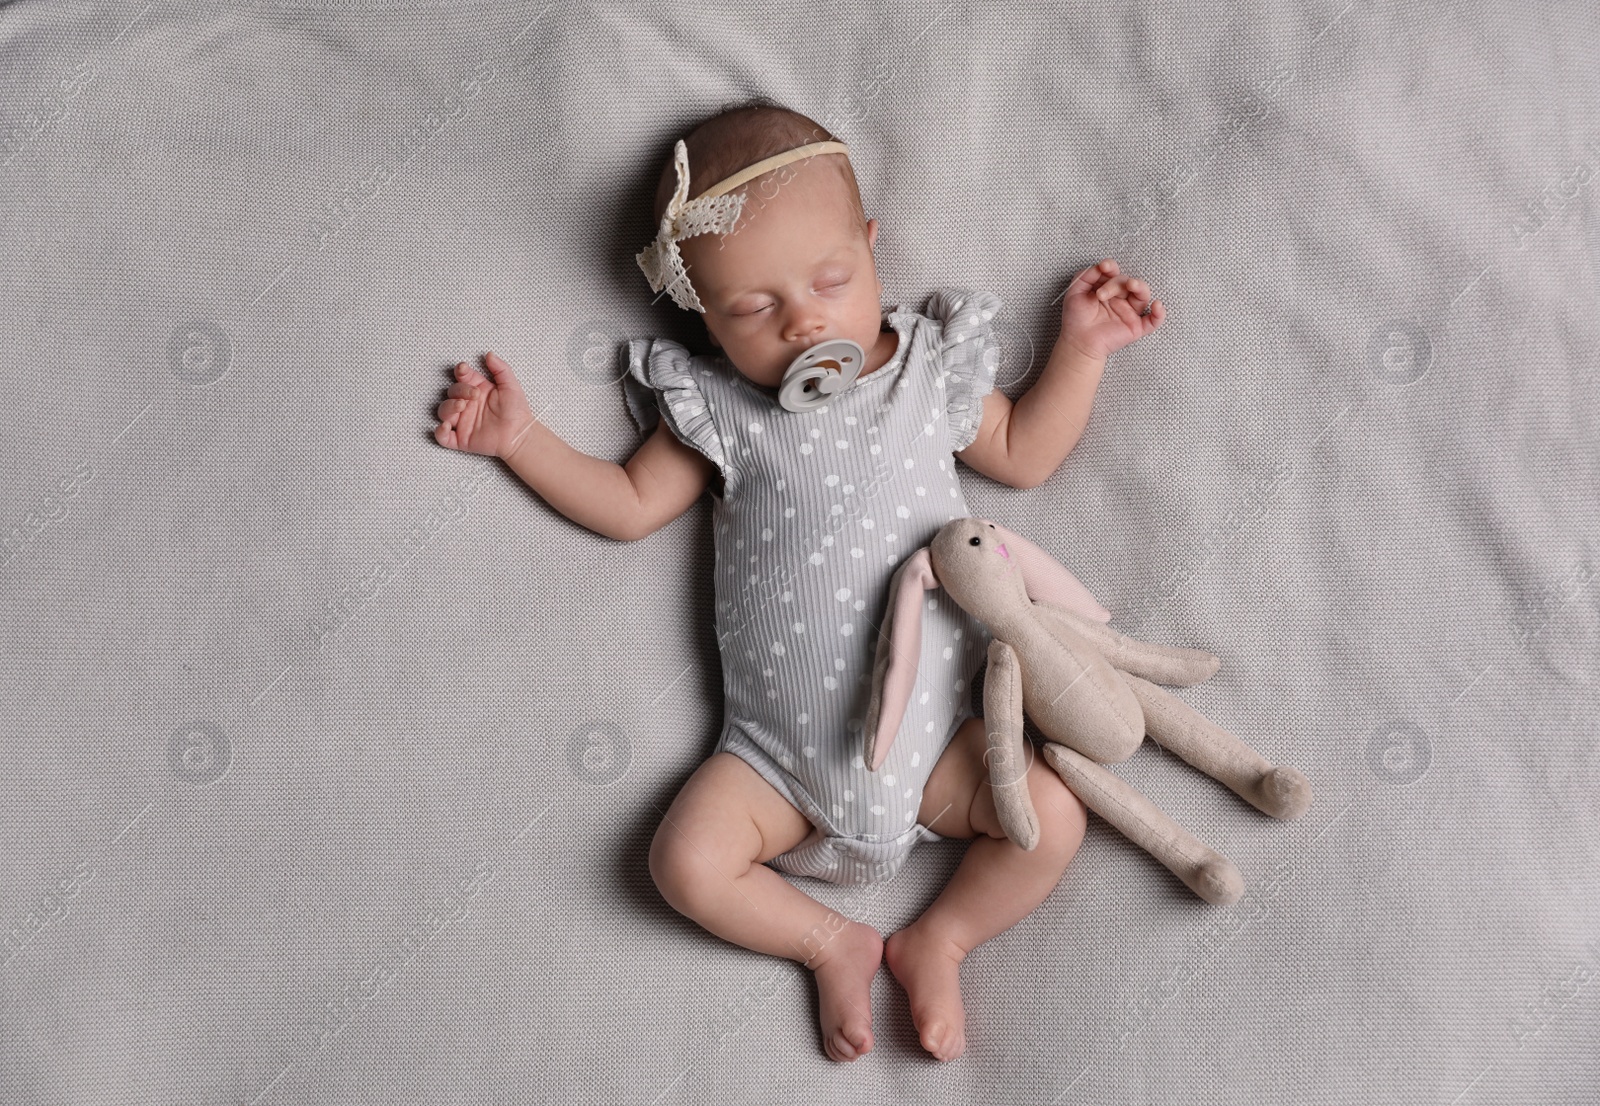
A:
[816, 510]
[332, 758]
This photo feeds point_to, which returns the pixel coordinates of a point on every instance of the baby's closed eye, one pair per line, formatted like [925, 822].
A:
[830, 285]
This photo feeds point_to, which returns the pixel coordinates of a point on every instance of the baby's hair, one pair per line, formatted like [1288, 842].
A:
[743, 134]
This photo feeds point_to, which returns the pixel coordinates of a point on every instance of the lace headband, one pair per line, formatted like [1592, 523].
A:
[711, 212]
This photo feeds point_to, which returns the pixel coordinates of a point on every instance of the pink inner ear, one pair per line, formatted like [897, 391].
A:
[905, 648]
[1047, 579]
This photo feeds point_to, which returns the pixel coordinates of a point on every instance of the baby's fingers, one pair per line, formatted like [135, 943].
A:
[1085, 283]
[466, 374]
[1123, 287]
[500, 371]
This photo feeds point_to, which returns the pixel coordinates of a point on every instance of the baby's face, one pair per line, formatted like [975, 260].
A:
[794, 271]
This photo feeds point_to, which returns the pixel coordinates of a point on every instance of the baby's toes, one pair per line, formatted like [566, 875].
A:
[841, 1049]
[942, 1040]
[850, 1041]
[859, 1039]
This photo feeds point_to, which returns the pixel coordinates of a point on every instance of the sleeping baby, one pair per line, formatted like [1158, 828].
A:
[825, 472]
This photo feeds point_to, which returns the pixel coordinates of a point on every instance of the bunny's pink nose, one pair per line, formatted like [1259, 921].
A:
[1001, 549]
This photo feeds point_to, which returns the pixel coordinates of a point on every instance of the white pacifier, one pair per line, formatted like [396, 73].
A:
[821, 371]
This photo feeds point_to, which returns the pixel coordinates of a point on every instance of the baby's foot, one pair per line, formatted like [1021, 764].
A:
[843, 970]
[929, 968]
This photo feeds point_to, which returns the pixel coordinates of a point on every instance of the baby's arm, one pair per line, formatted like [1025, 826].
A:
[1021, 444]
[658, 483]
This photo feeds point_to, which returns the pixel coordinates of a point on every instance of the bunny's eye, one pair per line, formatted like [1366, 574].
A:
[976, 541]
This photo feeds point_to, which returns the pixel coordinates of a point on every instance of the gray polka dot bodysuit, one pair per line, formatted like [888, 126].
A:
[816, 511]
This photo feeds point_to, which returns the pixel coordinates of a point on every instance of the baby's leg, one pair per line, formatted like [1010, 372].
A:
[995, 886]
[707, 859]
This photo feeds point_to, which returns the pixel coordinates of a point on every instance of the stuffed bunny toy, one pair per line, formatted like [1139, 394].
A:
[1089, 689]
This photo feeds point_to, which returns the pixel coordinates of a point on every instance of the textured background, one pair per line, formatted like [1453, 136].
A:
[331, 757]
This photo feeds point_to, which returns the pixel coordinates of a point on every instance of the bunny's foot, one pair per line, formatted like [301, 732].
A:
[1215, 879]
[1282, 792]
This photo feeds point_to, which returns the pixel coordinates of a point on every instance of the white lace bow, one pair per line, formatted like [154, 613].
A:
[661, 261]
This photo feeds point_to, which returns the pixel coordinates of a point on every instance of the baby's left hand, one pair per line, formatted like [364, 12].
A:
[1102, 312]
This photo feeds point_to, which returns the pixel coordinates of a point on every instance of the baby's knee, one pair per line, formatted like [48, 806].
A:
[689, 861]
[674, 864]
[678, 875]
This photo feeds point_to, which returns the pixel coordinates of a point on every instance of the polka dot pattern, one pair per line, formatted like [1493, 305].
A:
[815, 512]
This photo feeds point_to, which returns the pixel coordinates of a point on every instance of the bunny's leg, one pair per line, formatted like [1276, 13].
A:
[1280, 791]
[1202, 869]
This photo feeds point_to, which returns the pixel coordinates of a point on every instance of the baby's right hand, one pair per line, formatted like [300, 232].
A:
[480, 417]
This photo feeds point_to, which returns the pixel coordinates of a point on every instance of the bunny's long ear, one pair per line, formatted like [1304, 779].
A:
[894, 668]
[1046, 578]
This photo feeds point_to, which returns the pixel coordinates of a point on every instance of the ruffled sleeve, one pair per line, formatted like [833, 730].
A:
[968, 357]
[661, 381]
